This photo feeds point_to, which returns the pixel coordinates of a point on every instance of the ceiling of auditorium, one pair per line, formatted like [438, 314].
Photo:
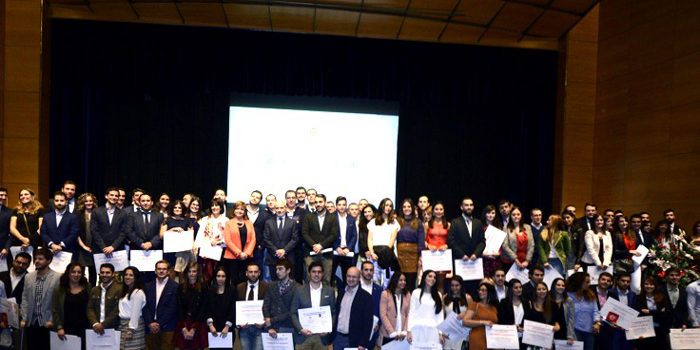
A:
[511, 23]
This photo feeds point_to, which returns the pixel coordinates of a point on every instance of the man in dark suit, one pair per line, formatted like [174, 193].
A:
[106, 225]
[670, 216]
[322, 295]
[374, 290]
[466, 238]
[71, 203]
[142, 227]
[353, 314]
[678, 297]
[251, 290]
[13, 280]
[5, 215]
[160, 312]
[319, 230]
[135, 195]
[603, 291]
[297, 214]
[626, 296]
[280, 237]
[60, 228]
[587, 222]
[636, 227]
[536, 274]
[344, 244]
[258, 216]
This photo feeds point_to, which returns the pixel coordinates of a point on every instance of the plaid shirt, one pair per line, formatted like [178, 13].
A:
[38, 299]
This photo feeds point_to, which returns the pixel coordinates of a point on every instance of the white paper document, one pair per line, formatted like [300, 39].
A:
[3, 264]
[453, 328]
[687, 339]
[249, 312]
[563, 345]
[571, 272]
[437, 260]
[538, 334]
[636, 280]
[323, 251]
[641, 327]
[212, 252]
[316, 319]
[501, 336]
[174, 241]
[60, 261]
[425, 338]
[349, 254]
[494, 240]
[595, 272]
[643, 251]
[145, 260]
[470, 269]
[515, 272]
[617, 313]
[108, 340]
[220, 341]
[29, 250]
[120, 260]
[10, 309]
[284, 341]
[72, 342]
[550, 274]
[397, 345]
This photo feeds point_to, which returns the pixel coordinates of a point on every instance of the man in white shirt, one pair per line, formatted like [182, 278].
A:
[312, 294]
[499, 280]
[693, 291]
[160, 312]
[103, 305]
[251, 290]
[344, 246]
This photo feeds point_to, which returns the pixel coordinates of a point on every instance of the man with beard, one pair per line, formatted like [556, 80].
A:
[39, 286]
[60, 228]
[466, 238]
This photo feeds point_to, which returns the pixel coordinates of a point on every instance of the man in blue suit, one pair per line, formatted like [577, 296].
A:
[312, 294]
[60, 228]
[160, 312]
[627, 297]
[354, 324]
[376, 291]
[344, 244]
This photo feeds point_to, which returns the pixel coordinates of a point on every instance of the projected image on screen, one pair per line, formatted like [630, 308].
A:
[348, 154]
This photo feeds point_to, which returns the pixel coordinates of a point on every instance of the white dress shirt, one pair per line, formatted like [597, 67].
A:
[103, 296]
[693, 290]
[130, 309]
[255, 290]
[468, 221]
[343, 223]
[160, 286]
[315, 295]
[252, 215]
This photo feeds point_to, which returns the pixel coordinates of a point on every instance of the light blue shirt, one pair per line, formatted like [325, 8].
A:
[693, 290]
[586, 313]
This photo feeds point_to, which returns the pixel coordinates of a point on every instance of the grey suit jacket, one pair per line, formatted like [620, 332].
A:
[27, 307]
[302, 300]
[510, 244]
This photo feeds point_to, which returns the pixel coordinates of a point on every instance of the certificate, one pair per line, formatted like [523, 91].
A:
[3, 264]
[563, 345]
[284, 341]
[538, 334]
[397, 345]
[550, 274]
[108, 340]
[595, 272]
[120, 260]
[174, 241]
[452, 326]
[470, 270]
[501, 336]
[145, 260]
[494, 240]
[515, 272]
[323, 251]
[571, 272]
[687, 339]
[209, 251]
[60, 261]
[437, 260]
[643, 251]
[617, 313]
[72, 342]
[316, 319]
[29, 250]
[636, 280]
[10, 309]
[348, 255]
[641, 327]
[220, 341]
[249, 312]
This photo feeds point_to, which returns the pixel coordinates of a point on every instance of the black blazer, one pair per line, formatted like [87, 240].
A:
[167, 308]
[506, 315]
[104, 234]
[259, 226]
[360, 324]
[312, 234]
[620, 250]
[461, 242]
[662, 315]
[67, 231]
[138, 232]
[350, 233]
[5, 215]
[679, 314]
[12, 293]
[287, 237]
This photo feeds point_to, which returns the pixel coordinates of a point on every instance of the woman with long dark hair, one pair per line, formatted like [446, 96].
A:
[176, 221]
[586, 313]
[436, 237]
[394, 308]
[483, 313]
[189, 331]
[599, 245]
[131, 303]
[366, 215]
[211, 233]
[625, 245]
[565, 310]
[220, 311]
[69, 302]
[456, 302]
[519, 245]
[87, 202]
[653, 302]
[490, 259]
[542, 309]
[26, 220]
[426, 307]
[511, 310]
[409, 242]
[164, 204]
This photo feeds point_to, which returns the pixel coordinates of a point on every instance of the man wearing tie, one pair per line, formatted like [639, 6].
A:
[251, 290]
[319, 230]
[106, 225]
[143, 226]
[280, 237]
[60, 228]
[466, 238]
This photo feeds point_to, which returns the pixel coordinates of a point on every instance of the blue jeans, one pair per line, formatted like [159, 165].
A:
[588, 339]
[341, 341]
[250, 338]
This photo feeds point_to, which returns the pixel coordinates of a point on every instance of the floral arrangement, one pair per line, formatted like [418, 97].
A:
[675, 253]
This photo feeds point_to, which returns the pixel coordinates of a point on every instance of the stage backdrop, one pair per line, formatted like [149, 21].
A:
[147, 105]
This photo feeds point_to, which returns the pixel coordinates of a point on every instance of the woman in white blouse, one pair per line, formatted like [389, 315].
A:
[381, 237]
[599, 245]
[131, 324]
[425, 311]
[210, 237]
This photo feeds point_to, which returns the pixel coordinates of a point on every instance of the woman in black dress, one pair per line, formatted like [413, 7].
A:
[542, 309]
[220, 312]
[69, 302]
[189, 331]
[176, 221]
[26, 220]
[87, 202]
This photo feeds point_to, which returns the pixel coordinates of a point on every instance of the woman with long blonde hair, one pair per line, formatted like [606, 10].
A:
[554, 245]
[26, 220]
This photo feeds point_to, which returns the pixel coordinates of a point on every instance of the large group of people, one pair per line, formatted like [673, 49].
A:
[304, 250]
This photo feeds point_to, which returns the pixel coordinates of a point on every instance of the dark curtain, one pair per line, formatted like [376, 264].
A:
[147, 105]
